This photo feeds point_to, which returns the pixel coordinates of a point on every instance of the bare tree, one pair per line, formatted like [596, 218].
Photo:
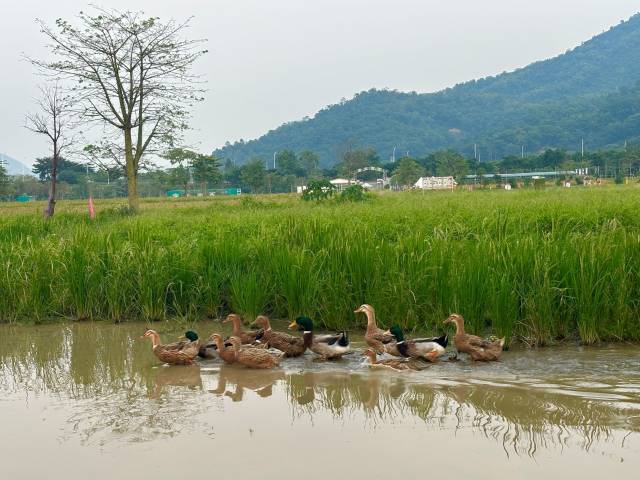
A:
[52, 121]
[131, 74]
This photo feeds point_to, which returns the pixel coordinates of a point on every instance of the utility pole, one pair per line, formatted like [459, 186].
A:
[583, 147]
[394, 155]
[522, 155]
[274, 161]
[475, 151]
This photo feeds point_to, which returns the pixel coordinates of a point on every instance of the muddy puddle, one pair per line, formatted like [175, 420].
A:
[91, 401]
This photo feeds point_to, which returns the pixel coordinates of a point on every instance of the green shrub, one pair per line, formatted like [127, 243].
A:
[318, 190]
[353, 193]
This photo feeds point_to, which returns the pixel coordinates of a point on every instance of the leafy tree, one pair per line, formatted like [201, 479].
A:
[183, 159]
[180, 175]
[68, 171]
[132, 77]
[407, 172]
[253, 174]
[287, 163]
[352, 160]
[309, 162]
[206, 170]
[450, 163]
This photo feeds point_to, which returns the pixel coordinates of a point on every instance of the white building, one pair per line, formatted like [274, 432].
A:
[435, 183]
[342, 183]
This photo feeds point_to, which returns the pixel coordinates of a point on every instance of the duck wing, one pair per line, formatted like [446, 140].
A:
[341, 339]
[443, 340]
[382, 336]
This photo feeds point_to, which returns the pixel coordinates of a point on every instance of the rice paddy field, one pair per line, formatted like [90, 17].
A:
[536, 266]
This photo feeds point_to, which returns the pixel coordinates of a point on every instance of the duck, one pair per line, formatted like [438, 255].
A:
[182, 352]
[327, 347]
[254, 357]
[479, 349]
[225, 350]
[245, 336]
[381, 341]
[424, 348]
[290, 345]
[392, 363]
[205, 350]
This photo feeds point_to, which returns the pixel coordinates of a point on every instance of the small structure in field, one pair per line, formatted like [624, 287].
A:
[435, 183]
[342, 183]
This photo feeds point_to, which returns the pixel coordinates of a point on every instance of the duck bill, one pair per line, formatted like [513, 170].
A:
[293, 326]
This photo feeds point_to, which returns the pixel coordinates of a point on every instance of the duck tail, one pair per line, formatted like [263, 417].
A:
[344, 340]
[501, 342]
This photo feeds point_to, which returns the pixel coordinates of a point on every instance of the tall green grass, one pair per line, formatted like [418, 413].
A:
[534, 266]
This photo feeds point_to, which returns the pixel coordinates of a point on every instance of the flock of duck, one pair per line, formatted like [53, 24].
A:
[254, 348]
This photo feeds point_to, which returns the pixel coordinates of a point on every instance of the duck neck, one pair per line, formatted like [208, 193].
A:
[220, 344]
[371, 321]
[266, 324]
[307, 336]
[372, 358]
[459, 326]
[237, 329]
[155, 340]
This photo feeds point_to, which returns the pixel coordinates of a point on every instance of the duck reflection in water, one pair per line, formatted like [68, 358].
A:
[176, 376]
[259, 381]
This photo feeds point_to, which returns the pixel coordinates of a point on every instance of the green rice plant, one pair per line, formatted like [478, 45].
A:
[249, 293]
[534, 266]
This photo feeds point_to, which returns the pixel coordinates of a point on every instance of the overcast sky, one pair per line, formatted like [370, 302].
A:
[272, 61]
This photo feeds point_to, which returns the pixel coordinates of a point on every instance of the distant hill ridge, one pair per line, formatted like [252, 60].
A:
[589, 92]
[13, 166]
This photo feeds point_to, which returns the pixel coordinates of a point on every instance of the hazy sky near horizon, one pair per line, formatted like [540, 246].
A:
[273, 61]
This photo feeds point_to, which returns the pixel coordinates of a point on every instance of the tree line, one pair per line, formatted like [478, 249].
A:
[199, 174]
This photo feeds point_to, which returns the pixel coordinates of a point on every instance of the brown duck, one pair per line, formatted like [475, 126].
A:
[479, 349]
[290, 345]
[254, 357]
[177, 353]
[381, 341]
[245, 336]
[392, 363]
[225, 350]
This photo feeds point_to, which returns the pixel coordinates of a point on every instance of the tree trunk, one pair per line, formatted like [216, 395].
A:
[132, 173]
[49, 210]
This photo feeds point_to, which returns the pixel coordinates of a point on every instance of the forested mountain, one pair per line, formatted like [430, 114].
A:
[590, 92]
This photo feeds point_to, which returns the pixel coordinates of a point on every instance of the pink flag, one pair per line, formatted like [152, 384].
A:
[92, 212]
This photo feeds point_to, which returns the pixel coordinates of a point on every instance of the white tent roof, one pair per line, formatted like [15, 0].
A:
[340, 181]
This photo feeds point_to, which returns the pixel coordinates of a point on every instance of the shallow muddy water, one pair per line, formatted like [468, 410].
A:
[91, 401]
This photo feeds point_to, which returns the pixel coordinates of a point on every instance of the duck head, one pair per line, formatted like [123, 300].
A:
[397, 332]
[370, 355]
[454, 318]
[191, 335]
[262, 321]
[303, 324]
[235, 342]
[458, 320]
[364, 308]
[153, 335]
[232, 317]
